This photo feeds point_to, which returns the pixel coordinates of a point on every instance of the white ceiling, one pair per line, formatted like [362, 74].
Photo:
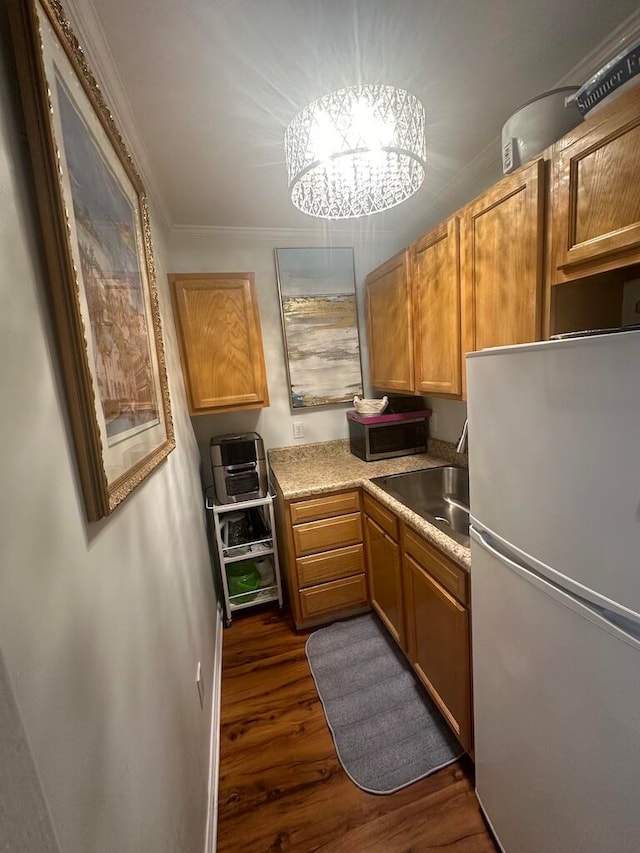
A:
[212, 85]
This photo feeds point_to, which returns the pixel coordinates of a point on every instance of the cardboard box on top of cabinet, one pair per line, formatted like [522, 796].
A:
[618, 75]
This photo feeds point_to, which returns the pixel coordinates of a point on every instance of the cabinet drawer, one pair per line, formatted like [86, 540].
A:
[319, 568]
[337, 595]
[452, 577]
[324, 507]
[381, 515]
[327, 534]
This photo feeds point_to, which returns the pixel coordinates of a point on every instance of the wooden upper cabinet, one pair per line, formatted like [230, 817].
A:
[435, 280]
[220, 341]
[502, 235]
[596, 193]
[389, 325]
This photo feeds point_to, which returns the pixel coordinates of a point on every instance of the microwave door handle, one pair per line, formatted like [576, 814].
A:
[243, 466]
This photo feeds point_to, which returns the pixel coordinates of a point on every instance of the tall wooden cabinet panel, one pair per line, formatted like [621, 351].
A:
[389, 325]
[435, 280]
[220, 341]
[502, 262]
[596, 195]
[385, 582]
[438, 645]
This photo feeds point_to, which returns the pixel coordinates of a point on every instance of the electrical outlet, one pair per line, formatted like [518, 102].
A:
[433, 423]
[200, 684]
[298, 429]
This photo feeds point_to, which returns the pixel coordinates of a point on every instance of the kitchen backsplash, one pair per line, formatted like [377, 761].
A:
[300, 452]
[447, 451]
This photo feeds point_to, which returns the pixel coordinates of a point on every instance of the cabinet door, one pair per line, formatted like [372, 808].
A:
[220, 341]
[385, 582]
[438, 641]
[435, 282]
[596, 195]
[503, 240]
[389, 326]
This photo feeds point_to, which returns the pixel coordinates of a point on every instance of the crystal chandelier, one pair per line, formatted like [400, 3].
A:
[356, 151]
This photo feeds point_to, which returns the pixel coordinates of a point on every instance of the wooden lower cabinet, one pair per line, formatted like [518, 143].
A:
[385, 579]
[322, 556]
[438, 646]
[420, 595]
[422, 598]
[384, 566]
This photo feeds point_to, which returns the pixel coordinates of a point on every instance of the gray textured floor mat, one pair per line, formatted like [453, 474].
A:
[387, 731]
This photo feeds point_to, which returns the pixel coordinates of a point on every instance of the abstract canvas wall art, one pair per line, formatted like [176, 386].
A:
[320, 325]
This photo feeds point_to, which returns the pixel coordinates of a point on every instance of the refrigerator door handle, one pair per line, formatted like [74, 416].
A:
[622, 627]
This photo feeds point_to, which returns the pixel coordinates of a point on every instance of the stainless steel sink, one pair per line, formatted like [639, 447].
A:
[440, 495]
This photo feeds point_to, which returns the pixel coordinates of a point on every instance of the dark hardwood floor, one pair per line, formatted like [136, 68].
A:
[282, 787]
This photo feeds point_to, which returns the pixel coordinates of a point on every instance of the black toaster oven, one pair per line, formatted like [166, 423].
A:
[239, 467]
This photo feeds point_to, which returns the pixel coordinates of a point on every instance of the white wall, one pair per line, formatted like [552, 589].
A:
[237, 251]
[101, 625]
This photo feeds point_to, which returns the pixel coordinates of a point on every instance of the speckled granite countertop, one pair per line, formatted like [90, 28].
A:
[315, 469]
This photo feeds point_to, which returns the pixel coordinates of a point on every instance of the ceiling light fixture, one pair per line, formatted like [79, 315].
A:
[356, 151]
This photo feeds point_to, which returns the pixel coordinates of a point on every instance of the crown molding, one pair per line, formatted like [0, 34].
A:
[274, 235]
[86, 23]
[626, 33]
[490, 157]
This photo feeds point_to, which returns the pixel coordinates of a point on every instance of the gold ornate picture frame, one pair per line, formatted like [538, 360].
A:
[95, 226]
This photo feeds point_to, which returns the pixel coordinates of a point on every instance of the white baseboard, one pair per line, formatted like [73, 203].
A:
[214, 748]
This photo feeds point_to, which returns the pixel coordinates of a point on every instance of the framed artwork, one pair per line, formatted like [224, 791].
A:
[319, 325]
[95, 225]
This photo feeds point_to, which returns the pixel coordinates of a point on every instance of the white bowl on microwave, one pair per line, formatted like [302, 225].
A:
[370, 407]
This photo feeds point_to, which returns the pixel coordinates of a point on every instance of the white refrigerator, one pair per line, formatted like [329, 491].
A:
[554, 465]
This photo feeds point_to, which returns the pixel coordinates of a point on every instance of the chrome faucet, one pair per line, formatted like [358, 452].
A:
[461, 446]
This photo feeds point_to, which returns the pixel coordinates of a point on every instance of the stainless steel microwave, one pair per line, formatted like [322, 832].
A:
[384, 436]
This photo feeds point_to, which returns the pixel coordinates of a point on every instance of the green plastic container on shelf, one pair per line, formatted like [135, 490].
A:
[244, 580]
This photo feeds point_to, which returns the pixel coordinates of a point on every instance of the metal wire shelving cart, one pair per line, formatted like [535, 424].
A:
[259, 546]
